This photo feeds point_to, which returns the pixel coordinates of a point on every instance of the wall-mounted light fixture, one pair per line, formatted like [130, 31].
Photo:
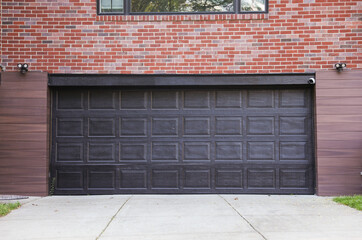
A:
[23, 67]
[340, 66]
[2, 68]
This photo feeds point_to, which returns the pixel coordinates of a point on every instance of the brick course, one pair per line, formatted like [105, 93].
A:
[69, 37]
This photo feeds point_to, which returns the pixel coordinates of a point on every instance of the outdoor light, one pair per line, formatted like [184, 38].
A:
[23, 67]
[340, 66]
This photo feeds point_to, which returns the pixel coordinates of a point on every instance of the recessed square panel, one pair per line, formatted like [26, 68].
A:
[165, 126]
[133, 152]
[197, 179]
[196, 151]
[165, 179]
[293, 178]
[260, 125]
[228, 126]
[260, 178]
[165, 99]
[101, 127]
[134, 179]
[133, 100]
[293, 125]
[69, 127]
[293, 98]
[69, 152]
[69, 99]
[228, 99]
[261, 99]
[196, 99]
[196, 126]
[229, 151]
[261, 151]
[101, 179]
[133, 127]
[102, 99]
[293, 150]
[228, 178]
[69, 180]
[101, 152]
[165, 151]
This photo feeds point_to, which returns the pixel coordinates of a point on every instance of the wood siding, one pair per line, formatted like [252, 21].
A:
[339, 132]
[24, 140]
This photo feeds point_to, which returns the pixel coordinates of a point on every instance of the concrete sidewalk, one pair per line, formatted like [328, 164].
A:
[186, 217]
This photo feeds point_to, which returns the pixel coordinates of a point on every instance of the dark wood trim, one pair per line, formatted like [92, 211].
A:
[338, 132]
[58, 80]
[24, 133]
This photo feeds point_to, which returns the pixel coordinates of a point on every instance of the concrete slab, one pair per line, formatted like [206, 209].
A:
[298, 217]
[176, 217]
[61, 218]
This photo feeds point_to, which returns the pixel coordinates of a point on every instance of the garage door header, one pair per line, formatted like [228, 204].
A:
[178, 79]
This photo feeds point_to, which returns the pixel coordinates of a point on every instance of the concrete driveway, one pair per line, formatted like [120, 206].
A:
[186, 217]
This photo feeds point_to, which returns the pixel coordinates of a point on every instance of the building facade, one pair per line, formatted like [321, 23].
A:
[179, 97]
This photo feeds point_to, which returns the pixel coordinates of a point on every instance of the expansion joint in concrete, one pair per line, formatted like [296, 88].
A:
[113, 217]
[246, 220]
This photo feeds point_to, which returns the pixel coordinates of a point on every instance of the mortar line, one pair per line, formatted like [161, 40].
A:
[246, 220]
[113, 217]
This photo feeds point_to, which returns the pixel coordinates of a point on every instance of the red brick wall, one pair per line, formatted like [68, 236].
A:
[67, 36]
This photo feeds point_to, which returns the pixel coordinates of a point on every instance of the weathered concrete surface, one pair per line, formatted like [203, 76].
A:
[176, 217]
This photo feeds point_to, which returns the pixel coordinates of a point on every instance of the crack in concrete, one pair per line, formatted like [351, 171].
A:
[246, 220]
[113, 217]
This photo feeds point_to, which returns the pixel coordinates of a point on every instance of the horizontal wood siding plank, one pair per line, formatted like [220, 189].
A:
[24, 129]
[339, 132]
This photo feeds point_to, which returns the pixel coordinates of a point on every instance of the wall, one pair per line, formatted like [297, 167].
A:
[339, 132]
[68, 36]
[24, 139]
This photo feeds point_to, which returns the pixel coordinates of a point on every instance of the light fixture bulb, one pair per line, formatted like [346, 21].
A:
[25, 65]
[20, 65]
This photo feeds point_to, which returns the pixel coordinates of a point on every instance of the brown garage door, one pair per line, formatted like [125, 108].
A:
[167, 140]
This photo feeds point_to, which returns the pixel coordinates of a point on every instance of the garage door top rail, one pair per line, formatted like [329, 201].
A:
[63, 80]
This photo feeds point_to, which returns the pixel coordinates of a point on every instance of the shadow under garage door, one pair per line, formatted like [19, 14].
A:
[190, 140]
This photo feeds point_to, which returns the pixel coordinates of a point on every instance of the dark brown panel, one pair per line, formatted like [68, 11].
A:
[339, 132]
[24, 114]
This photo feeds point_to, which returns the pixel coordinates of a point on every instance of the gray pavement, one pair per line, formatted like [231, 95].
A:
[186, 217]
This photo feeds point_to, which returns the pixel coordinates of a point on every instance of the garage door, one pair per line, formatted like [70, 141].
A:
[168, 140]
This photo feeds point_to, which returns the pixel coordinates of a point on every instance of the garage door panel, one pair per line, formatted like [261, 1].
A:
[133, 179]
[260, 125]
[165, 179]
[102, 99]
[102, 127]
[228, 99]
[260, 99]
[108, 141]
[228, 126]
[196, 100]
[261, 151]
[69, 100]
[70, 178]
[69, 152]
[228, 179]
[196, 151]
[197, 178]
[133, 126]
[133, 100]
[133, 152]
[101, 179]
[165, 99]
[293, 98]
[69, 127]
[261, 178]
[101, 152]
